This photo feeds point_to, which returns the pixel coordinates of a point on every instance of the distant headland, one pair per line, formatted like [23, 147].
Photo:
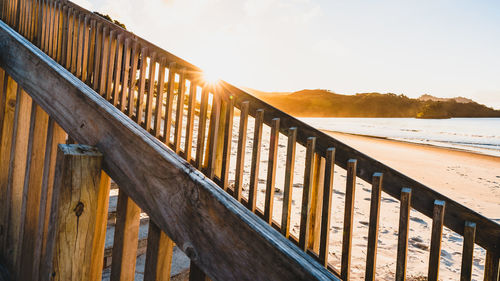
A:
[325, 103]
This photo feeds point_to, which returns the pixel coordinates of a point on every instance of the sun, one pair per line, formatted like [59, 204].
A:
[211, 77]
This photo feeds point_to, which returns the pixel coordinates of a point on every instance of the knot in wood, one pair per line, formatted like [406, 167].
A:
[190, 251]
[78, 209]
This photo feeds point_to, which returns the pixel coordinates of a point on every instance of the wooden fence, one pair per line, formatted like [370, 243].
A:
[131, 74]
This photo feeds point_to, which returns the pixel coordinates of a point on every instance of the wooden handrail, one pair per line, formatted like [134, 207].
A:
[207, 220]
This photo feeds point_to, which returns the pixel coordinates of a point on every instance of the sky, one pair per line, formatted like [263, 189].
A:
[444, 48]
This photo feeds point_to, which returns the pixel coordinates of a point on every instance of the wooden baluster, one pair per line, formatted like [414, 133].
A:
[158, 255]
[55, 136]
[113, 40]
[51, 21]
[288, 187]
[271, 170]
[149, 102]
[179, 111]
[213, 136]
[100, 227]
[17, 172]
[69, 38]
[468, 251]
[159, 98]
[316, 199]
[190, 122]
[76, 184]
[32, 191]
[46, 23]
[240, 155]
[126, 239]
[126, 73]
[307, 193]
[436, 236]
[404, 229]
[55, 30]
[170, 101]
[254, 170]
[59, 32]
[8, 90]
[327, 206]
[202, 121]
[104, 56]
[348, 219]
[85, 48]
[80, 47]
[74, 46]
[371, 254]
[97, 56]
[228, 136]
[142, 85]
[92, 51]
[118, 69]
[491, 266]
[133, 73]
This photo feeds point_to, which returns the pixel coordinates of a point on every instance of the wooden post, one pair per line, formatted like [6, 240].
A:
[73, 213]
[491, 267]
[316, 202]
[371, 255]
[404, 229]
[288, 189]
[436, 237]
[306, 193]
[327, 206]
[468, 251]
[158, 255]
[348, 219]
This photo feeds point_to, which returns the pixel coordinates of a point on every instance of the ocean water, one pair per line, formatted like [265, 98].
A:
[481, 135]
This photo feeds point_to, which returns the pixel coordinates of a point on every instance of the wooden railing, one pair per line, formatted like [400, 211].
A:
[131, 74]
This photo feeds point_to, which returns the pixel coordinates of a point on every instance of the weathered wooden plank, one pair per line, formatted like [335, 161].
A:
[288, 187]
[150, 95]
[212, 137]
[133, 82]
[179, 113]
[491, 266]
[371, 254]
[404, 229]
[111, 67]
[141, 87]
[307, 194]
[125, 74]
[117, 60]
[254, 168]
[126, 239]
[158, 255]
[345, 267]
[190, 122]
[271, 170]
[159, 98]
[32, 191]
[202, 123]
[468, 251]
[100, 227]
[170, 101]
[161, 172]
[15, 182]
[9, 92]
[316, 199]
[327, 206]
[240, 154]
[226, 150]
[436, 236]
[73, 214]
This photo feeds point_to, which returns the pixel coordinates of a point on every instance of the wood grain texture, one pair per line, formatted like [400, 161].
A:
[403, 233]
[316, 199]
[100, 228]
[161, 173]
[255, 164]
[307, 194]
[436, 237]
[158, 255]
[288, 187]
[240, 154]
[468, 251]
[371, 253]
[73, 214]
[491, 266]
[350, 191]
[327, 206]
[15, 182]
[125, 239]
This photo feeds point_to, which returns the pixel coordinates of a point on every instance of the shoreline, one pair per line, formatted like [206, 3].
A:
[470, 178]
